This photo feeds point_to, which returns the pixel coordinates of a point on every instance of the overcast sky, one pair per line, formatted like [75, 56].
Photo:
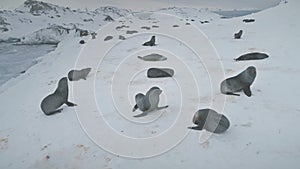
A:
[152, 4]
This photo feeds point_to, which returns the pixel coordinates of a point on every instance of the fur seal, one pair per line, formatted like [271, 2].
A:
[151, 42]
[52, 102]
[252, 56]
[160, 72]
[248, 20]
[107, 38]
[75, 75]
[152, 57]
[149, 102]
[211, 121]
[238, 35]
[240, 82]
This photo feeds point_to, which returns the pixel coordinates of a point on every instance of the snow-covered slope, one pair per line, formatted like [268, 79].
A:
[35, 15]
[264, 127]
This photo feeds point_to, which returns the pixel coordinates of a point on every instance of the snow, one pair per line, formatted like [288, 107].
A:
[264, 127]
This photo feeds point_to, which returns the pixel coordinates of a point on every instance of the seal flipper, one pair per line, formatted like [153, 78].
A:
[135, 108]
[164, 107]
[141, 115]
[230, 93]
[196, 128]
[247, 90]
[54, 112]
[70, 104]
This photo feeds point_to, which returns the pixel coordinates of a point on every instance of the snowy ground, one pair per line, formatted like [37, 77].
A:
[263, 131]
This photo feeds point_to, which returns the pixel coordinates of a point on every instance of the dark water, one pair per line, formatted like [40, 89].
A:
[15, 59]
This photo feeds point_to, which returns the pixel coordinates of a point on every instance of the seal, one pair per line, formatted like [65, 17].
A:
[252, 56]
[210, 120]
[248, 20]
[238, 35]
[50, 104]
[151, 42]
[149, 102]
[160, 72]
[75, 75]
[152, 57]
[240, 82]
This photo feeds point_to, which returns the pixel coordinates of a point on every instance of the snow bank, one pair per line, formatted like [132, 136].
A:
[51, 35]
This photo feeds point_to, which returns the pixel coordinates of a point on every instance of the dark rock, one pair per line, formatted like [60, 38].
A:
[82, 42]
[82, 32]
[108, 18]
[121, 37]
[88, 20]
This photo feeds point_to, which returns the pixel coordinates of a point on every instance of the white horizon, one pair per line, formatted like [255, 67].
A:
[146, 5]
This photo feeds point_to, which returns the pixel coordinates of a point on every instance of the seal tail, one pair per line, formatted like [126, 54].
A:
[247, 91]
[140, 57]
[70, 104]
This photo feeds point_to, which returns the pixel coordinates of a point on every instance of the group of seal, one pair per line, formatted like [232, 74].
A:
[212, 121]
[51, 104]
[149, 102]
